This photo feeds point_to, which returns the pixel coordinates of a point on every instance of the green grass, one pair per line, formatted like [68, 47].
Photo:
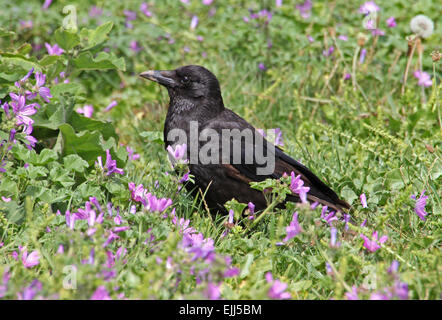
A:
[363, 138]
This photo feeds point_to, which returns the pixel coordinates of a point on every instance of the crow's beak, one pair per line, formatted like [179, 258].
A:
[164, 78]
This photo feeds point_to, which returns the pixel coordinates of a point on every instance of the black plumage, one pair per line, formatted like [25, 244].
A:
[195, 97]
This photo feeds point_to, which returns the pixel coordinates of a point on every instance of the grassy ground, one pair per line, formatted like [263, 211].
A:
[357, 132]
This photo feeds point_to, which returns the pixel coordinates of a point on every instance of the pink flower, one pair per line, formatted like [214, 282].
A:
[373, 244]
[391, 22]
[277, 289]
[420, 205]
[137, 192]
[87, 110]
[368, 7]
[213, 291]
[110, 106]
[424, 78]
[101, 294]
[30, 260]
[363, 200]
[179, 154]
[353, 294]
[293, 229]
[144, 9]
[132, 155]
[194, 22]
[296, 186]
[46, 4]
[54, 50]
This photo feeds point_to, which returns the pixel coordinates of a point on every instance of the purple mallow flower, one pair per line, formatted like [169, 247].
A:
[4, 284]
[424, 79]
[297, 186]
[378, 32]
[46, 4]
[110, 166]
[132, 155]
[110, 106]
[277, 290]
[24, 79]
[95, 11]
[87, 110]
[101, 294]
[30, 260]
[393, 267]
[194, 22]
[26, 24]
[30, 291]
[333, 236]
[213, 291]
[251, 207]
[44, 92]
[293, 229]
[62, 76]
[420, 205]
[353, 294]
[179, 153]
[374, 243]
[363, 200]
[305, 9]
[23, 111]
[362, 55]
[134, 46]
[369, 7]
[144, 9]
[391, 22]
[328, 217]
[155, 204]
[329, 52]
[54, 50]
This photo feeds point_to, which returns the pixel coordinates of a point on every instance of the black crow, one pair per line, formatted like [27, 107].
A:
[197, 117]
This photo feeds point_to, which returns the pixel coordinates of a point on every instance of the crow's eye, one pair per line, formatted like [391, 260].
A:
[185, 80]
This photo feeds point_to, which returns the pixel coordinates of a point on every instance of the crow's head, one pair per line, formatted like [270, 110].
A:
[188, 81]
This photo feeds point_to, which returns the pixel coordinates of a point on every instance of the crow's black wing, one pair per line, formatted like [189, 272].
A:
[247, 170]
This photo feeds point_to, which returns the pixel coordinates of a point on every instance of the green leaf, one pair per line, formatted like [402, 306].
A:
[153, 136]
[61, 88]
[60, 175]
[74, 162]
[66, 39]
[88, 145]
[48, 60]
[82, 123]
[301, 285]
[20, 60]
[348, 194]
[103, 61]
[245, 270]
[92, 37]
[393, 179]
[6, 33]
[45, 156]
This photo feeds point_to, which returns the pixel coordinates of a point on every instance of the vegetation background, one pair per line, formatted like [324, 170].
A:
[71, 228]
